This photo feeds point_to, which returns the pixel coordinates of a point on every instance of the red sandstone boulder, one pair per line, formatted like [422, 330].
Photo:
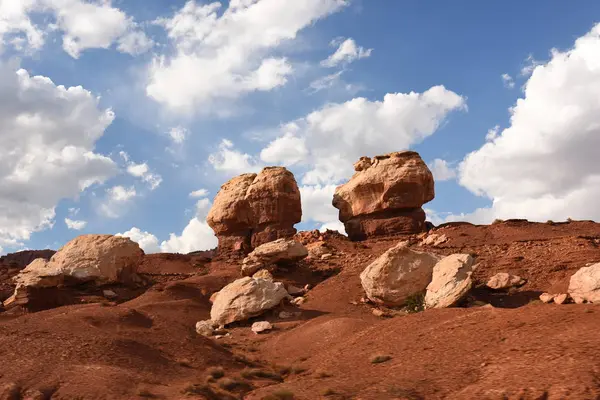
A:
[253, 209]
[385, 196]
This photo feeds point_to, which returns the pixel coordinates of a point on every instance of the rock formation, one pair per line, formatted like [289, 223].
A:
[398, 274]
[450, 282]
[385, 196]
[101, 259]
[503, 280]
[253, 209]
[280, 251]
[585, 285]
[245, 298]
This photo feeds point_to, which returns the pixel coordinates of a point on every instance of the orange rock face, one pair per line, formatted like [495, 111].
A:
[252, 209]
[385, 196]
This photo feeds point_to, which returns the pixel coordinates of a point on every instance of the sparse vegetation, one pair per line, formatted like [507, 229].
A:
[378, 359]
[550, 222]
[497, 221]
[208, 392]
[145, 393]
[232, 384]
[415, 303]
[328, 392]
[280, 395]
[569, 219]
[216, 372]
[261, 374]
[323, 374]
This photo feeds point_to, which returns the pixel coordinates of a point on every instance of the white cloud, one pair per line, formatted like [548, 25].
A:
[231, 161]
[286, 150]
[74, 224]
[117, 198]
[222, 56]
[530, 65]
[147, 241]
[508, 81]
[441, 170]
[545, 164]
[338, 134]
[48, 134]
[84, 25]
[178, 134]
[346, 53]
[325, 82]
[142, 171]
[197, 235]
[492, 133]
[316, 203]
[199, 193]
[333, 226]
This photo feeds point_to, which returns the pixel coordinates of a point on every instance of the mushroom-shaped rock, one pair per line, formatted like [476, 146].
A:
[385, 196]
[99, 258]
[450, 282]
[280, 251]
[585, 285]
[252, 209]
[397, 274]
[245, 298]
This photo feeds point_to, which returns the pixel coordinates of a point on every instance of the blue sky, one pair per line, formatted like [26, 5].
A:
[202, 93]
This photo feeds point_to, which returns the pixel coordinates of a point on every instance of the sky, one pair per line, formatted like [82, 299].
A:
[126, 116]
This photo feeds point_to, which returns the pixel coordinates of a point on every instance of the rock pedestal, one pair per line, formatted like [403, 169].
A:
[385, 196]
[253, 209]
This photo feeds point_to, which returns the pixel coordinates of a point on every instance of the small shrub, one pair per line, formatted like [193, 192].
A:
[208, 392]
[569, 219]
[299, 370]
[284, 370]
[380, 359]
[323, 374]
[280, 395]
[415, 303]
[216, 372]
[146, 394]
[328, 392]
[261, 374]
[497, 221]
[231, 385]
[550, 222]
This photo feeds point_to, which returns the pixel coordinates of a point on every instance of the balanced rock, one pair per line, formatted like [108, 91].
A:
[252, 209]
[585, 285]
[280, 251]
[450, 282]
[246, 298]
[503, 280]
[397, 274]
[385, 196]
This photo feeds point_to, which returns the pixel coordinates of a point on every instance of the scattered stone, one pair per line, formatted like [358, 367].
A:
[109, 294]
[503, 280]
[379, 313]
[561, 298]
[222, 336]
[585, 285]
[451, 281]
[294, 290]
[397, 274]
[253, 209]
[280, 251]
[298, 301]
[434, 240]
[245, 298]
[261, 326]
[10, 391]
[385, 196]
[263, 274]
[546, 297]
[326, 256]
[205, 328]
[318, 249]
[307, 287]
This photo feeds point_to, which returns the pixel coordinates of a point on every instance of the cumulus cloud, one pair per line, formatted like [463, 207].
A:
[142, 171]
[115, 201]
[199, 193]
[333, 226]
[335, 136]
[317, 207]
[492, 133]
[178, 134]
[347, 52]
[222, 56]
[508, 81]
[48, 134]
[147, 241]
[441, 170]
[231, 161]
[545, 164]
[76, 225]
[83, 24]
